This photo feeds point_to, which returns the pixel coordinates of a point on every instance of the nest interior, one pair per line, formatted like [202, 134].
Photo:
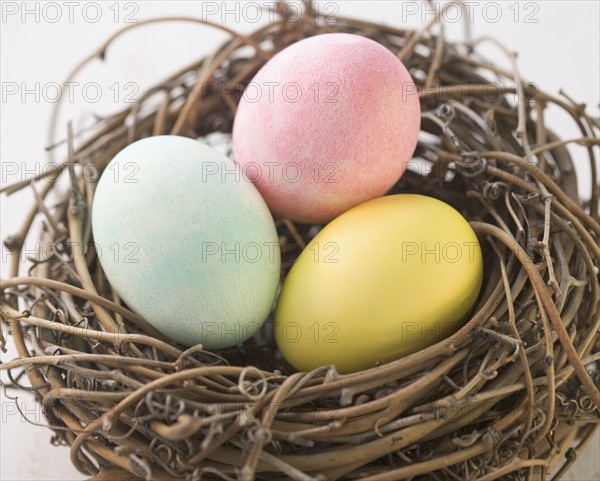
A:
[512, 395]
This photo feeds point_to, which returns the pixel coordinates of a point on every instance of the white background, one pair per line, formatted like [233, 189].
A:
[558, 48]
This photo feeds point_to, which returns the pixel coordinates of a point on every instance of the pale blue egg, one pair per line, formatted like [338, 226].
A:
[187, 241]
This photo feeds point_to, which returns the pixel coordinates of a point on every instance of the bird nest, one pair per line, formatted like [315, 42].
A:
[512, 395]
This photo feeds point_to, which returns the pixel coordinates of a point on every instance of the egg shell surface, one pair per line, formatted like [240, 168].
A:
[385, 279]
[327, 123]
[186, 241]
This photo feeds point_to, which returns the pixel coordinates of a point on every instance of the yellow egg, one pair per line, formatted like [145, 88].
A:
[383, 280]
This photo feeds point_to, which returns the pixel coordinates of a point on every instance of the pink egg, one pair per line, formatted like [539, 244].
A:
[329, 122]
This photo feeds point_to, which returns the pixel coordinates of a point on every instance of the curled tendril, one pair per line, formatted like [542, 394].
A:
[161, 450]
[254, 391]
[586, 404]
[260, 435]
[169, 411]
[472, 165]
[445, 112]
[507, 450]
[493, 190]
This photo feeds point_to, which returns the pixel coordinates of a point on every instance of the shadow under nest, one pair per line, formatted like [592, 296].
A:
[512, 395]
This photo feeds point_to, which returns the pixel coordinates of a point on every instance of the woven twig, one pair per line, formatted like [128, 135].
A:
[512, 395]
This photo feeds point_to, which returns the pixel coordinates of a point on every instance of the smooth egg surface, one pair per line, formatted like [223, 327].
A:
[186, 241]
[385, 279]
[329, 122]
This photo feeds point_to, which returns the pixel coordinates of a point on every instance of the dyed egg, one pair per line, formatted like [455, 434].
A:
[385, 279]
[186, 241]
[329, 122]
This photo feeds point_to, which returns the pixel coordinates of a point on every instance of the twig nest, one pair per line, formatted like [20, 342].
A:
[505, 397]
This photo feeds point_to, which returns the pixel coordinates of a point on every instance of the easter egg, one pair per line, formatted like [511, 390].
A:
[385, 279]
[186, 241]
[327, 123]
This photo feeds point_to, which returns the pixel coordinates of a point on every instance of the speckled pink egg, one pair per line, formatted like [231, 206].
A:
[329, 122]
